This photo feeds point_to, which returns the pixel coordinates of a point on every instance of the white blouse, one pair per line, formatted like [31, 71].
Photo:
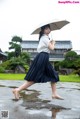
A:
[43, 44]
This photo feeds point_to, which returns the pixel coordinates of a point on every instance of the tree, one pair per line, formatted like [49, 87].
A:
[15, 45]
[70, 58]
[71, 55]
[17, 39]
[17, 60]
[10, 55]
[77, 63]
[77, 66]
[25, 56]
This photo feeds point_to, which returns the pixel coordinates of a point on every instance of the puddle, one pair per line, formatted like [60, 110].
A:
[37, 103]
[55, 112]
[2, 86]
[11, 86]
[8, 86]
[32, 101]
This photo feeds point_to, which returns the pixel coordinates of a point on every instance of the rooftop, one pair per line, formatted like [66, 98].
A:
[32, 44]
[3, 54]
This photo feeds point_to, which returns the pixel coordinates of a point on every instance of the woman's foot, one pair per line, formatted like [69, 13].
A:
[16, 93]
[57, 97]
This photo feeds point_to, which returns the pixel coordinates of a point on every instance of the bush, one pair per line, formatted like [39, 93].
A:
[15, 61]
[26, 57]
[5, 65]
[77, 72]
[2, 69]
[56, 65]
[26, 68]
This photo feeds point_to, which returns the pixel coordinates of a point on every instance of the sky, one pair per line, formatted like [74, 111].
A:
[22, 17]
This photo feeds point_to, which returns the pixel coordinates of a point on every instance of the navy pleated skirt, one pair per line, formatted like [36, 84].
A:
[41, 70]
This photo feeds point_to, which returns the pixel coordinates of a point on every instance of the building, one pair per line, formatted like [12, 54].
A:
[61, 47]
[3, 56]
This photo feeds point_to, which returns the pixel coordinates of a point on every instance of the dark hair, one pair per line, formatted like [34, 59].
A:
[42, 30]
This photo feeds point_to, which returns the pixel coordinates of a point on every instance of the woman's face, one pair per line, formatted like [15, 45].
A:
[47, 30]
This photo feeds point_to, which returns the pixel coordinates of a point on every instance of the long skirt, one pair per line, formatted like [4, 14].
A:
[41, 70]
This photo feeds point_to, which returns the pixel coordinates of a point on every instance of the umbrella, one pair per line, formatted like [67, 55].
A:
[55, 25]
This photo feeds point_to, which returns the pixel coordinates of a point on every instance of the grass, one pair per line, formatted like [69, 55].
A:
[69, 78]
[11, 76]
[63, 78]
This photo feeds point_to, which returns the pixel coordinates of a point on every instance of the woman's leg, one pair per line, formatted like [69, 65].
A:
[54, 91]
[24, 86]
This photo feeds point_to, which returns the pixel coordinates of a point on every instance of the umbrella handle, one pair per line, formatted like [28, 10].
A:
[51, 38]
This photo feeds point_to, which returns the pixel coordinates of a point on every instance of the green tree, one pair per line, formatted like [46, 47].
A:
[15, 45]
[77, 63]
[11, 54]
[17, 39]
[77, 66]
[16, 58]
[70, 58]
[15, 61]
[25, 56]
[71, 55]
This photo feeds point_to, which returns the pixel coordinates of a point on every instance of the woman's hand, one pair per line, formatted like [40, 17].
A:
[53, 41]
[51, 44]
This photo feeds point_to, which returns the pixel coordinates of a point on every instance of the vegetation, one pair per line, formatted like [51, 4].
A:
[63, 78]
[11, 76]
[2, 69]
[15, 57]
[69, 78]
[18, 58]
[14, 45]
[71, 61]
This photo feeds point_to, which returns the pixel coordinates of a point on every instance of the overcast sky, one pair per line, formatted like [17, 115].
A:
[21, 18]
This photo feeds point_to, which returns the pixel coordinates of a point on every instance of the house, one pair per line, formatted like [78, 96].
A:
[61, 47]
[3, 56]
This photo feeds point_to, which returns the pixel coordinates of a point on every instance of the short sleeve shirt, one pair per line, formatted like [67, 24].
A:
[43, 44]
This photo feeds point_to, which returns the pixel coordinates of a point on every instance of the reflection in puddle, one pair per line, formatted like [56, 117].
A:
[34, 105]
[45, 112]
[8, 86]
[2, 86]
[54, 112]
[32, 101]
[69, 88]
[12, 86]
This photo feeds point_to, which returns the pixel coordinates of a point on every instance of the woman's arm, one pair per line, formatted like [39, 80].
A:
[51, 45]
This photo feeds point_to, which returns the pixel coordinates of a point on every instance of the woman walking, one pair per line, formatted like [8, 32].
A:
[41, 70]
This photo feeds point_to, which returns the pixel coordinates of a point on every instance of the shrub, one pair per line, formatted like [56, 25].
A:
[26, 68]
[2, 69]
[77, 72]
[5, 64]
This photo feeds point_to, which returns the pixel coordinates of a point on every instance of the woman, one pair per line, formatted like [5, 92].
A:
[41, 70]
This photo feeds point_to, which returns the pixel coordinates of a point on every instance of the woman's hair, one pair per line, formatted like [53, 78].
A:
[42, 30]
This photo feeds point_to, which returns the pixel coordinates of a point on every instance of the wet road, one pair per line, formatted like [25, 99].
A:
[36, 101]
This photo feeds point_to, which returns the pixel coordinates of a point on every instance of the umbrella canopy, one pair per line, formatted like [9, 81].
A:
[56, 25]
